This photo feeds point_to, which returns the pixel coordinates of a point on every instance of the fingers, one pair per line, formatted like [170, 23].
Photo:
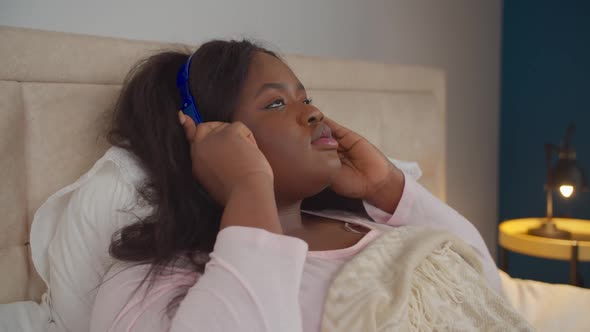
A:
[188, 125]
[196, 133]
[338, 131]
[207, 128]
[347, 139]
[245, 132]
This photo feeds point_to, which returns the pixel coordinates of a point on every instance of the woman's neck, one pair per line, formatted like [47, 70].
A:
[290, 216]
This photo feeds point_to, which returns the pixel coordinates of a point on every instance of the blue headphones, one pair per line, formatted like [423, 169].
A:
[188, 102]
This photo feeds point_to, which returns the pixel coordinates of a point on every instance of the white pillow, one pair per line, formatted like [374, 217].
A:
[409, 168]
[548, 307]
[72, 230]
[25, 316]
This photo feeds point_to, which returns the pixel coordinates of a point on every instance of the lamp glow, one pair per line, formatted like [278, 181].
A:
[566, 190]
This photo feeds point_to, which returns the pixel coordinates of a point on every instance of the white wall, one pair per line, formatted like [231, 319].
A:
[460, 36]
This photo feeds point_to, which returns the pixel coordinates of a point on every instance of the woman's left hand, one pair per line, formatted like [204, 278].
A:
[366, 173]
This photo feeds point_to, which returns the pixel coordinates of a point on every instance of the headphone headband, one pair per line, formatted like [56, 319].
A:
[188, 107]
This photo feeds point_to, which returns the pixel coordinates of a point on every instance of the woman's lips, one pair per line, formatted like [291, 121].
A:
[326, 142]
[322, 137]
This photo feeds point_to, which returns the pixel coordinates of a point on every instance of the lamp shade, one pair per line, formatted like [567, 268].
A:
[567, 172]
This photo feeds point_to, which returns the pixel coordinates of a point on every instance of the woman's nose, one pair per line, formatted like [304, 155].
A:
[310, 115]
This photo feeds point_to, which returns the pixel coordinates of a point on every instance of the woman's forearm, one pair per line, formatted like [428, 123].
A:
[252, 204]
[387, 197]
[419, 207]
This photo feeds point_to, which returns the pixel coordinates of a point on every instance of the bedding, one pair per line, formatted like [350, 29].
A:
[26, 316]
[417, 279]
[549, 307]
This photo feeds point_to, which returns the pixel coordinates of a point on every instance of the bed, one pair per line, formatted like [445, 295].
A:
[56, 91]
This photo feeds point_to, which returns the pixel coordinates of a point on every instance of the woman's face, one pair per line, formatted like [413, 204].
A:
[289, 131]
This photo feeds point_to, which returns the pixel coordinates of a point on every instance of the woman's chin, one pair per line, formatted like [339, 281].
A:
[306, 179]
[332, 166]
[314, 185]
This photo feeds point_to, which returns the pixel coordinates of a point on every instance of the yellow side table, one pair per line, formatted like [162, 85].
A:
[513, 236]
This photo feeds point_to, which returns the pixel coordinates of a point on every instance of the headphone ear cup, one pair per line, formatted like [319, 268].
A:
[191, 111]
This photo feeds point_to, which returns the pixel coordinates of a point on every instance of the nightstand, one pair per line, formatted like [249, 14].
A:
[513, 236]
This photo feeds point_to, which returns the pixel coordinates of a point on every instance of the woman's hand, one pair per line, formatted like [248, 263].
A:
[224, 156]
[366, 173]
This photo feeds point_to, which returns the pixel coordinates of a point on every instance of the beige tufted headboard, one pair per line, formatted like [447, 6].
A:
[57, 89]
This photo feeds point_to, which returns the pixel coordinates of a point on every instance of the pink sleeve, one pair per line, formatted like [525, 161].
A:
[419, 207]
[251, 283]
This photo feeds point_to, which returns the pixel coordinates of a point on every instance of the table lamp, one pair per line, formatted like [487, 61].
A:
[566, 177]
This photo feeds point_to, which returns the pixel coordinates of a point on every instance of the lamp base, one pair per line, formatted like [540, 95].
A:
[548, 229]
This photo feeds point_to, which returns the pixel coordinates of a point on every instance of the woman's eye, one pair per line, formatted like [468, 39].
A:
[275, 104]
[307, 101]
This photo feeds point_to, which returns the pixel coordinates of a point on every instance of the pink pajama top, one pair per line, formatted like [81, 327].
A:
[261, 281]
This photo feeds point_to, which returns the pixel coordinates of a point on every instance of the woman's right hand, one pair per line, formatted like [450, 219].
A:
[224, 156]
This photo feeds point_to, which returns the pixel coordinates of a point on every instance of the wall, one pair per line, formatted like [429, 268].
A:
[545, 84]
[460, 36]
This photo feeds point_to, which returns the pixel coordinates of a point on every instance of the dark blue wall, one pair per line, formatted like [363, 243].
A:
[545, 86]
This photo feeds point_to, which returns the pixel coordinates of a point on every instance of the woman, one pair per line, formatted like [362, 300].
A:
[228, 192]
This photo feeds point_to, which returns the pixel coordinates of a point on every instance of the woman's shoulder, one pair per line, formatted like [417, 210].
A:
[127, 293]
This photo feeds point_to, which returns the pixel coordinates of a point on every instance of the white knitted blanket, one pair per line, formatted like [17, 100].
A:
[416, 279]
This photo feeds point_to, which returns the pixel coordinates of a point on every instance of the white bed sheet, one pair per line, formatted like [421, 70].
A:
[25, 316]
